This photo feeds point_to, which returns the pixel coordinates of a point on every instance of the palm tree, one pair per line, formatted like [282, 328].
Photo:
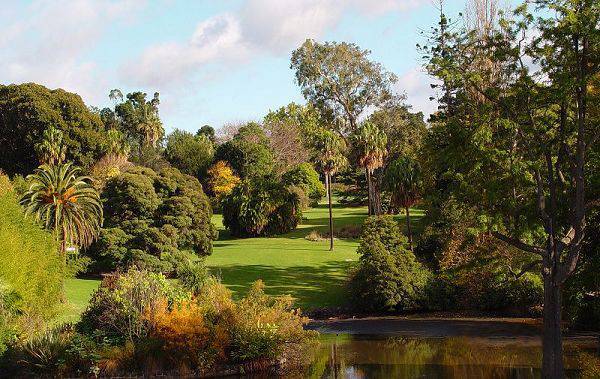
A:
[51, 149]
[329, 148]
[64, 203]
[403, 180]
[116, 144]
[148, 121]
[370, 143]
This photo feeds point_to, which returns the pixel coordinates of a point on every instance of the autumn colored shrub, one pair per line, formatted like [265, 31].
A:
[221, 179]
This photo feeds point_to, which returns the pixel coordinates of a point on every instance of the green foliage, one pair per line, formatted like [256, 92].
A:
[388, 277]
[248, 153]
[65, 203]
[31, 273]
[261, 206]
[118, 309]
[28, 110]
[138, 118]
[207, 131]
[328, 151]
[403, 179]
[304, 176]
[190, 154]
[153, 220]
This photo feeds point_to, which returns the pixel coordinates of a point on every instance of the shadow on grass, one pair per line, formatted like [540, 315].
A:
[319, 286]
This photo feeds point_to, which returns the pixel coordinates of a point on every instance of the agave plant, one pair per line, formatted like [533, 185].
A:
[65, 203]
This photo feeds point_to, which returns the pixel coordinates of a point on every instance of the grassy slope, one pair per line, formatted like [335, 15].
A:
[288, 264]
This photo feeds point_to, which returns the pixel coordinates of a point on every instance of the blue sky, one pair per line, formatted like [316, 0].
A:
[213, 62]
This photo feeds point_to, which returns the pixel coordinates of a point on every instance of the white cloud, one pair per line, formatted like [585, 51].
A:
[48, 45]
[416, 85]
[258, 27]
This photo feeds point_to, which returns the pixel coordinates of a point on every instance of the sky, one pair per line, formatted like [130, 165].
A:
[213, 62]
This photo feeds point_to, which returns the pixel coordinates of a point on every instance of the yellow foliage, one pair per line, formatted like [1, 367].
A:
[221, 179]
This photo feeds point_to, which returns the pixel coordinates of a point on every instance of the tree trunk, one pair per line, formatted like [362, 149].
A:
[330, 212]
[408, 229]
[552, 361]
[369, 207]
[327, 186]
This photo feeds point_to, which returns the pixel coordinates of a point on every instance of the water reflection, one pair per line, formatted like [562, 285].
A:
[360, 356]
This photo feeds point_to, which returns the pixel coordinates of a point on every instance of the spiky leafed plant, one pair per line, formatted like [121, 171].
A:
[65, 203]
[116, 144]
[403, 179]
[51, 149]
[329, 158]
[370, 143]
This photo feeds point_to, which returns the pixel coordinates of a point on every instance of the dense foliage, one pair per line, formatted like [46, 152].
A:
[305, 177]
[388, 276]
[153, 220]
[139, 322]
[261, 206]
[28, 110]
[31, 271]
[189, 153]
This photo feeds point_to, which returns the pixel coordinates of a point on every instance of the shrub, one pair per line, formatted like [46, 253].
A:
[261, 206]
[153, 220]
[304, 176]
[388, 276]
[31, 271]
[119, 309]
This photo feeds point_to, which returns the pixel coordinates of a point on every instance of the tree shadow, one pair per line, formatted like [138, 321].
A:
[317, 286]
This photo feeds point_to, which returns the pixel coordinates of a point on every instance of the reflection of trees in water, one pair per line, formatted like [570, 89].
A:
[402, 357]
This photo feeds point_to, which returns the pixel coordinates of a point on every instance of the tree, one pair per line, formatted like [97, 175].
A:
[338, 78]
[139, 118]
[190, 154]
[328, 148]
[304, 176]
[209, 132]
[248, 152]
[51, 149]
[286, 129]
[27, 110]
[403, 180]
[221, 179]
[513, 140]
[370, 143]
[65, 203]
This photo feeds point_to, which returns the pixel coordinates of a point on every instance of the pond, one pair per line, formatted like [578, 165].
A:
[399, 347]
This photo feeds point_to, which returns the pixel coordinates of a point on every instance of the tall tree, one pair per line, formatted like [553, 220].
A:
[403, 180]
[370, 143]
[191, 154]
[139, 118]
[65, 203]
[329, 158]
[339, 79]
[27, 110]
[51, 150]
[515, 147]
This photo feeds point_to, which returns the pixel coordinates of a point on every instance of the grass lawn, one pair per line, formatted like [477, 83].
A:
[288, 264]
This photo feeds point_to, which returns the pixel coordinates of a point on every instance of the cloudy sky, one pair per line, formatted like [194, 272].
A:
[214, 61]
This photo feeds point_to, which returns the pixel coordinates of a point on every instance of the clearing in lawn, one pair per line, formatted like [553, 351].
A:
[288, 264]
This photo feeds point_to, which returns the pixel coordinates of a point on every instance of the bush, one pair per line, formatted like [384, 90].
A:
[118, 310]
[248, 153]
[388, 276]
[31, 271]
[153, 220]
[261, 206]
[305, 177]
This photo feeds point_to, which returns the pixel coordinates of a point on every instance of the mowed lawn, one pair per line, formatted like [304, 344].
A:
[287, 264]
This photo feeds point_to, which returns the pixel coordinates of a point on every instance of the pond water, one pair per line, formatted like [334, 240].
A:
[369, 356]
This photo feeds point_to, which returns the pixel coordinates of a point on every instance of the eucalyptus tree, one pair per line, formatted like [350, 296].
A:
[51, 150]
[65, 203]
[403, 179]
[329, 158]
[339, 79]
[370, 143]
[511, 139]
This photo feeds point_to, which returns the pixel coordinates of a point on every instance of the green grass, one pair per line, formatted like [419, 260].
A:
[78, 293]
[288, 264]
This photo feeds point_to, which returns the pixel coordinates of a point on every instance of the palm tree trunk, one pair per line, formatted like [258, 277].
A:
[408, 228]
[328, 178]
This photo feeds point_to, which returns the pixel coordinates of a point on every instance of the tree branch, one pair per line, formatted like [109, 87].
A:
[520, 244]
